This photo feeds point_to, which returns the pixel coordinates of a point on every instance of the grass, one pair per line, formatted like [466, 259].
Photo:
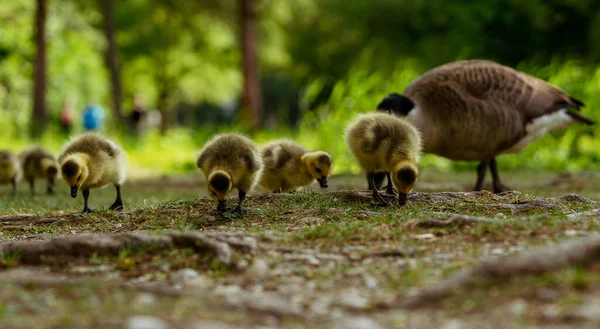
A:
[319, 248]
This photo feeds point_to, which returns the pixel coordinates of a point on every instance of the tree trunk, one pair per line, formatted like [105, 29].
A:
[252, 100]
[112, 58]
[163, 108]
[39, 116]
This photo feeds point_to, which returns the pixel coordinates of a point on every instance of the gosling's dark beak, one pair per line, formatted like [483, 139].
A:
[222, 206]
[74, 191]
[323, 182]
[402, 199]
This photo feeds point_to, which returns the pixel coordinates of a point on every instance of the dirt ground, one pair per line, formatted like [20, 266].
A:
[447, 259]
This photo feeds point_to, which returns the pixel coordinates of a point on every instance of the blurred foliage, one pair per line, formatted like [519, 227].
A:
[322, 62]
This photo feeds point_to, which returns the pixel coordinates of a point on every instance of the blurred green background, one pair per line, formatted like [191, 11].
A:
[320, 62]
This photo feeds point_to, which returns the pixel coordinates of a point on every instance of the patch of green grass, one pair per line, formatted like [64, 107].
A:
[10, 259]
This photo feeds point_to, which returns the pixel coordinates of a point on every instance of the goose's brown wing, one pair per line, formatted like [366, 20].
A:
[497, 85]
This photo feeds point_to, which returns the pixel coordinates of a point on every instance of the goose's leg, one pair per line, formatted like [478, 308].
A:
[481, 169]
[390, 187]
[238, 209]
[498, 186]
[86, 195]
[50, 188]
[118, 204]
[14, 185]
[32, 185]
[377, 198]
[378, 180]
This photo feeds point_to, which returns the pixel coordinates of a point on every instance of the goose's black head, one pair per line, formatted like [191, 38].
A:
[395, 103]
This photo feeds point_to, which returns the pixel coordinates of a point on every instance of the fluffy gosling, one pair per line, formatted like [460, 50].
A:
[289, 165]
[91, 160]
[384, 143]
[10, 171]
[36, 162]
[229, 161]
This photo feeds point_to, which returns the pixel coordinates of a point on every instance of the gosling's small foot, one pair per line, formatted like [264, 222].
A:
[390, 190]
[378, 199]
[501, 188]
[117, 206]
[239, 212]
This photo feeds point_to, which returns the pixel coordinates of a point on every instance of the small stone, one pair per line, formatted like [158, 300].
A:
[184, 275]
[401, 263]
[352, 299]
[206, 219]
[310, 259]
[574, 233]
[518, 307]
[228, 290]
[371, 282]
[91, 269]
[146, 322]
[118, 225]
[258, 270]
[144, 299]
[312, 220]
[242, 264]
[498, 251]
[452, 324]
[426, 236]
[590, 311]
[356, 322]
[548, 295]
[209, 324]
[330, 257]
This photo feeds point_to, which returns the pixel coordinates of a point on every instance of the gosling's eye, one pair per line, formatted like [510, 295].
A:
[318, 170]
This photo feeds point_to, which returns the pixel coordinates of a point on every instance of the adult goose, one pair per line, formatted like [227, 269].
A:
[475, 110]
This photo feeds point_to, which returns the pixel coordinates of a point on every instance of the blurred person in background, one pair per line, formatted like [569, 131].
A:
[66, 116]
[93, 117]
[138, 115]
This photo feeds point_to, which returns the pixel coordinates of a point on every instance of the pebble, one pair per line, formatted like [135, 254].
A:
[452, 324]
[242, 265]
[352, 299]
[371, 282]
[184, 275]
[426, 236]
[357, 322]
[324, 256]
[144, 299]
[574, 233]
[145, 322]
[312, 220]
[206, 219]
[258, 270]
[498, 251]
[310, 259]
[209, 324]
[518, 307]
[91, 269]
[590, 310]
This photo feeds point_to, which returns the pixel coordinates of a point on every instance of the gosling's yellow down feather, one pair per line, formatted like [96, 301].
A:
[384, 143]
[91, 160]
[229, 161]
[37, 162]
[289, 165]
[10, 170]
